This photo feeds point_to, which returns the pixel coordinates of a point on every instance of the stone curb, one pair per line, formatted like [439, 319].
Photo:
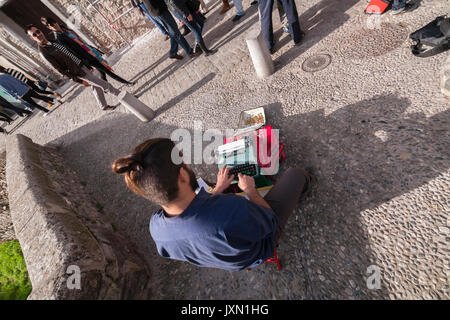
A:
[58, 226]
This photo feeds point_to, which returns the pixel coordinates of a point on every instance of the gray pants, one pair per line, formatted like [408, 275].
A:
[99, 86]
[284, 196]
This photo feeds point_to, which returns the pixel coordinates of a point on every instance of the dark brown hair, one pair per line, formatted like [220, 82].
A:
[150, 172]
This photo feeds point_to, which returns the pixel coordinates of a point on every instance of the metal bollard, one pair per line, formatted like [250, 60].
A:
[140, 110]
[260, 54]
[445, 78]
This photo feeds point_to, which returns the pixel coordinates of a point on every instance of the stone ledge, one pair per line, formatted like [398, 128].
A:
[58, 225]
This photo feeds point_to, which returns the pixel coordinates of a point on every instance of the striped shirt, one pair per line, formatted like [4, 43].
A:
[66, 51]
[16, 74]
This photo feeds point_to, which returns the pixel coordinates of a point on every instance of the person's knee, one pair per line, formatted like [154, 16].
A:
[297, 172]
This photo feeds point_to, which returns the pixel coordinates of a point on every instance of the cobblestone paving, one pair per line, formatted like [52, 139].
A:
[373, 125]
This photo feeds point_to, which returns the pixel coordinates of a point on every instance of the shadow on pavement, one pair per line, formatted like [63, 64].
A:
[363, 155]
[317, 22]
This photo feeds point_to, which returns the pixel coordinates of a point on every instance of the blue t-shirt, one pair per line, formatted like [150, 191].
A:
[222, 231]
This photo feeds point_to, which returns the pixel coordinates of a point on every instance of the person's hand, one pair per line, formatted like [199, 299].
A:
[246, 183]
[223, 181]
[86, 84]
[189, 17]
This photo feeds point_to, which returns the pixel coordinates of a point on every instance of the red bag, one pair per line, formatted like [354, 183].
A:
[377, 6]
[263, 134]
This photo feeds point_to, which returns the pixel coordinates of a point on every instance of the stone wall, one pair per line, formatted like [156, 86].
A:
[58, 225]
[131, 26]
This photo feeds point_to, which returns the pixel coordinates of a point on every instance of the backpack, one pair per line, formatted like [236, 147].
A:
[436, 34]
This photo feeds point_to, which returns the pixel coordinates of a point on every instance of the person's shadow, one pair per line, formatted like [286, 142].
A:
[317, 22]
[363, 155]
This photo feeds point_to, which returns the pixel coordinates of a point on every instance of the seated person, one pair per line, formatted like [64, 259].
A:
[216, 230]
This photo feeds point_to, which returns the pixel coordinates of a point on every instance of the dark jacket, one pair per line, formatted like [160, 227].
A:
[179, 6]
[63, 64]
[75, 48]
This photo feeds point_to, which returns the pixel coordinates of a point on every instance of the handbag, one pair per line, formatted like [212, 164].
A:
[435, 34]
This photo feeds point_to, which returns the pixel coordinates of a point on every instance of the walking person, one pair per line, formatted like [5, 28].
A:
[63, 38]
[144, 11]
[187, 12]
[77, 68]
[159, 11]
[265, 11]
[20, 76]
[21, 91]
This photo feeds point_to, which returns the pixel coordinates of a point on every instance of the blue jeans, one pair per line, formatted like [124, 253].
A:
[156, 23]
[398, 4]
[238, 7]
[196, 25]
[176, 38]
[265, 10]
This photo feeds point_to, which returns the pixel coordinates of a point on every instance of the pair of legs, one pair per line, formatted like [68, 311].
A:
[35, 88]
[196, 26]
[284, 196]
[166, 19]
[7, 105]
[99, 87]
[265, 12]
[105, 71]
[155, 22]
[28, 98]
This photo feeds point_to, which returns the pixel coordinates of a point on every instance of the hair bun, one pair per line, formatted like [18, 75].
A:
[127, 164]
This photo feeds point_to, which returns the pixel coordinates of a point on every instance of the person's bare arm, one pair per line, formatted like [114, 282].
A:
[247, 184]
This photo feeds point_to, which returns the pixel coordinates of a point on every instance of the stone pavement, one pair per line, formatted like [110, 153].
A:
[373, 125]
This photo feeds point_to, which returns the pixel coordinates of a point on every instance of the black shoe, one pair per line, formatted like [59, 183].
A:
[236, 17]
[205, 49]
[197, 48]
[130, 84]
[177, 56]
[253, 3]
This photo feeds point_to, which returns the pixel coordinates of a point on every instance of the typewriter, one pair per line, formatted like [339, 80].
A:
[240, 156]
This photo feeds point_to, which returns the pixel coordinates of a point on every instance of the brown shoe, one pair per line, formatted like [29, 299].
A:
[225, 8]
[49, 105]
[177, 56]
[57, 95]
